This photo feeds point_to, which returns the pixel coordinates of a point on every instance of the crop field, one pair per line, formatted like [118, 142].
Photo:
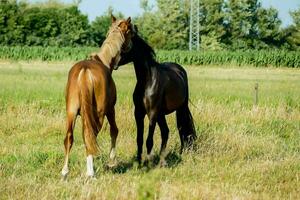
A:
[257, 58]
[243, 151]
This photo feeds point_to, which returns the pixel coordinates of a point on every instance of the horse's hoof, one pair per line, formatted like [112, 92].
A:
[112, 164]
[146, 163]
[149, 164]
[91, 178]
[163, 163]
[64, 174]
[136, 165]
[150, 158]
[64, 178]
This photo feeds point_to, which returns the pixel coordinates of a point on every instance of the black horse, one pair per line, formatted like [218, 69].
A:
[161, 89]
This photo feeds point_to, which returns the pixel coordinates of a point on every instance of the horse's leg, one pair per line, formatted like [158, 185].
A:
[89, 159]
[113, 133]
[149, 142]
[139, 115]
[68, 142]
[164, 138]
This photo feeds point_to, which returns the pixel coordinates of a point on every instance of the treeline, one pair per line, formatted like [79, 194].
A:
[48, 24]
[258, 58]
[224, 24]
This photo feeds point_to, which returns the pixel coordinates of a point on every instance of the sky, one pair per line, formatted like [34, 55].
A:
[94, 8]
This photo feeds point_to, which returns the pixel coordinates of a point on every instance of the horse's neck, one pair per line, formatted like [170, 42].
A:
[104, 55]
[143, 71]
[110, 49]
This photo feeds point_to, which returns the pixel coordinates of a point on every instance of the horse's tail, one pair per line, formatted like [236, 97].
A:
[186, 127]
[185, 123]
[88, 113]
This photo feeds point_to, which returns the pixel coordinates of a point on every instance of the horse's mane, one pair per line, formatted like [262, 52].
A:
[111, 46]
[144, 48]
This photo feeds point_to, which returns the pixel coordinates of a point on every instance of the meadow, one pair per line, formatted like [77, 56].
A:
[243, 151]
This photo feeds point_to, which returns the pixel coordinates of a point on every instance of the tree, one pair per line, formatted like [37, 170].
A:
[293, 32]
[268, 27]
[242, 17]
[166, 28]
[144, 4]
[11, 31]
[49, 23]
[40, 26]
[174, 23]
[212, 27]
[74, 27]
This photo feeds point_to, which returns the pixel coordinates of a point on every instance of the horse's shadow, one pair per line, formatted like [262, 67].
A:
[173, 159]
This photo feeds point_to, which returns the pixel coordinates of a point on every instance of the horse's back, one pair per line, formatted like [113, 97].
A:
[96, 67]
[172, 67]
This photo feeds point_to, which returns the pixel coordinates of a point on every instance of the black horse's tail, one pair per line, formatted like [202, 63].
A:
[185, 125]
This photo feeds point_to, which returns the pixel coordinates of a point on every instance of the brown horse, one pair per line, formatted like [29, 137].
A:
[91, 93]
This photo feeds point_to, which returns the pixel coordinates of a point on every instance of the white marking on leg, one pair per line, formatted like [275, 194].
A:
[112, 154]
[89, 166]
[65, 169]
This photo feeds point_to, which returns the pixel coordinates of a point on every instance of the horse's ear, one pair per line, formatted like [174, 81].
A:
[113, 19]
[129, 20]
[135, 28]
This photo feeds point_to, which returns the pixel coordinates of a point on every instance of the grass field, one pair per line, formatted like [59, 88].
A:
[243, 151]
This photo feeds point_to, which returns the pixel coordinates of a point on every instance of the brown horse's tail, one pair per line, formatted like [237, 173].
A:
[88, 112]
[185, 124]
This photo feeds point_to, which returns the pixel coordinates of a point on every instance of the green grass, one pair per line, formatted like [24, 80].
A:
[243, 151]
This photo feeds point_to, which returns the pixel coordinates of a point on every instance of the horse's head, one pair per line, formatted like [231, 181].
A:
[120, 33]
[140, 50]
[127, 30]
[128, 56]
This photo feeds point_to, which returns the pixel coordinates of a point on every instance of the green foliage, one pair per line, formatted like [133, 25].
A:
[212, 29]
[166, 28]
[100, 26]
[268, 25]
[239, 58]
[232, 24]
[293, 32]
[224, 24]
[45, 53]
[51, 24]
[241, 20]
[10, 28]
[210, 43]
[276, 58]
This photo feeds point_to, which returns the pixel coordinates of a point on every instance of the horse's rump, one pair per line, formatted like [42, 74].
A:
[91, 79]
[174, 79]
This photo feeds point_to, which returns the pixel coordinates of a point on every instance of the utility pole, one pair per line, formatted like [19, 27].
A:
[194, 42]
